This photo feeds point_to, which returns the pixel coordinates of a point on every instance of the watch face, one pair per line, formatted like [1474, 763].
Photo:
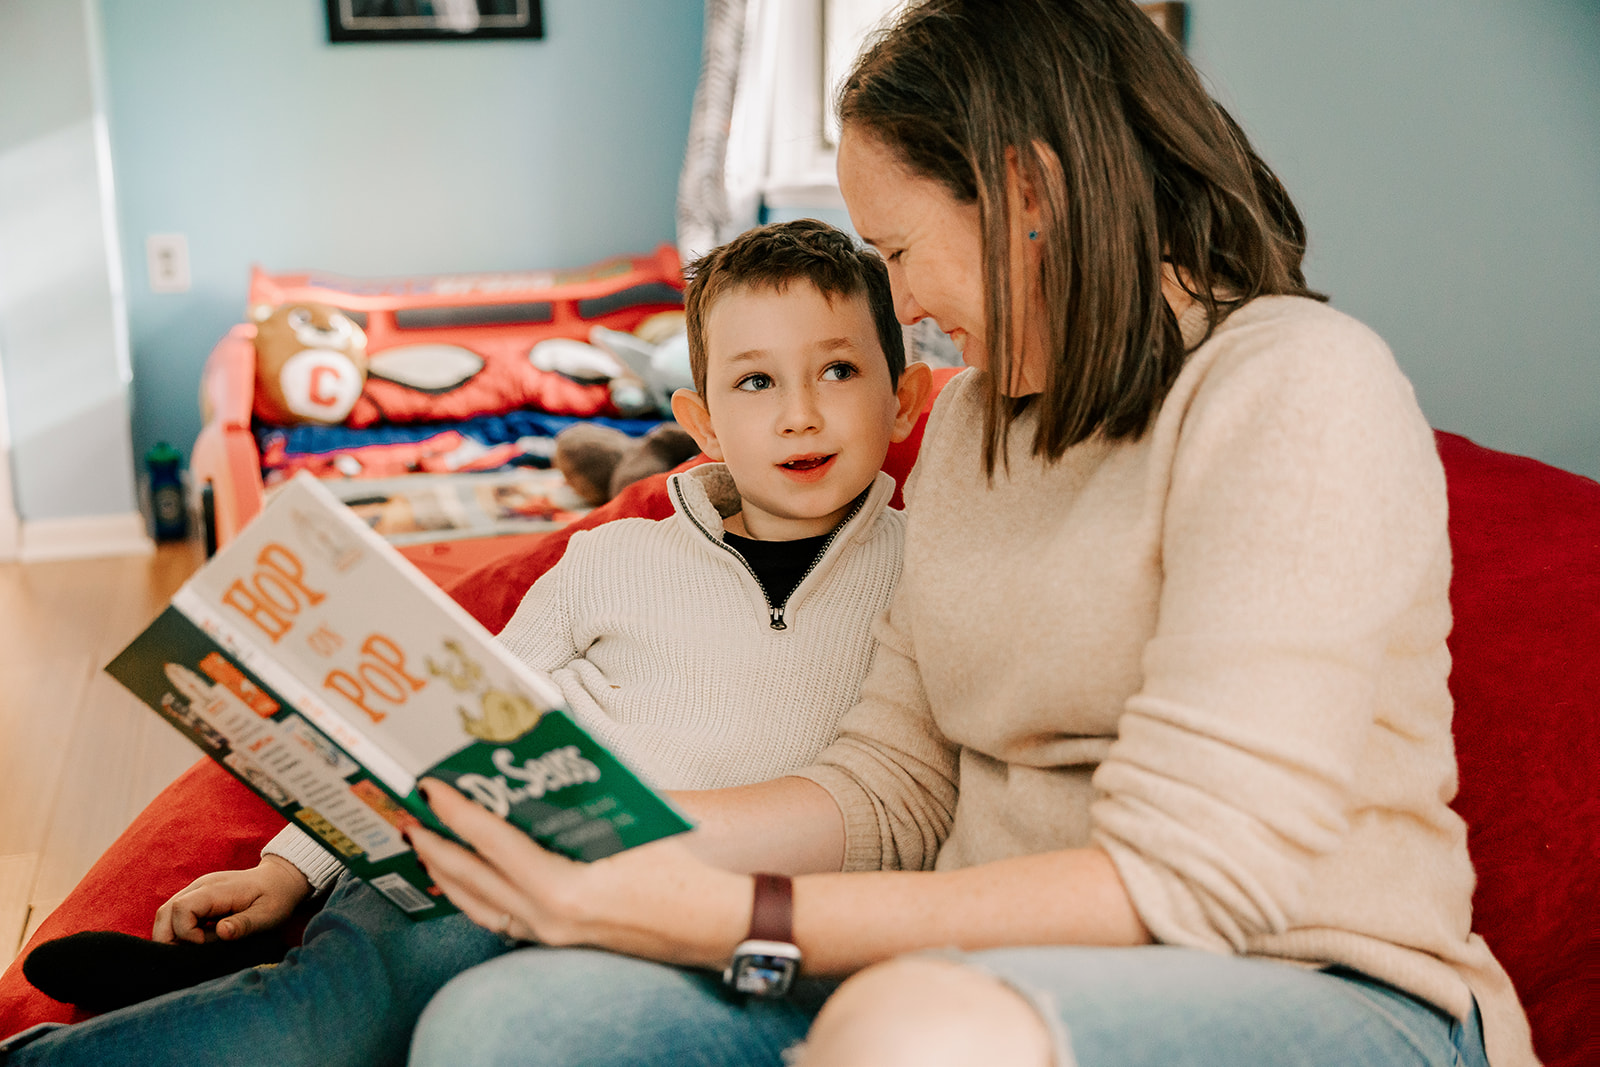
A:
[760, 975]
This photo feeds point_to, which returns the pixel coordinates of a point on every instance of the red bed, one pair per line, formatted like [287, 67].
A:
[497, 319]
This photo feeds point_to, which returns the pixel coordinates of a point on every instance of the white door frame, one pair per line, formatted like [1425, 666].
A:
[10, 527]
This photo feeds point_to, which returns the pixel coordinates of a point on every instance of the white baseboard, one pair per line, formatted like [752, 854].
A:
[84, 537]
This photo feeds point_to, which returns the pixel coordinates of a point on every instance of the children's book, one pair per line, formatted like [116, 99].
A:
[320, 668]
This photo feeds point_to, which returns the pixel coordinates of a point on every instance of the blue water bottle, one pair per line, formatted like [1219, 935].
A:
[166, 492]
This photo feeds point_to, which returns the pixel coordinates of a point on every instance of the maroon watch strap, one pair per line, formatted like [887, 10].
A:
[772, 911]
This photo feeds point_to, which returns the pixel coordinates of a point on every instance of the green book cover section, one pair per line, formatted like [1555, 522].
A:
[567, 791]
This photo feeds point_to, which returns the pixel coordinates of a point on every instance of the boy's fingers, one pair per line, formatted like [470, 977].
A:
[243, 924]
[161, 932]
[184, 927]
[184, 913]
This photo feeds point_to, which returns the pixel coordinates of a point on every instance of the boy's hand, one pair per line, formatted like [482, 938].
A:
[242, 902]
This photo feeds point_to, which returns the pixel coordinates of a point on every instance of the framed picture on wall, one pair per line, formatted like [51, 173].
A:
[352, 21]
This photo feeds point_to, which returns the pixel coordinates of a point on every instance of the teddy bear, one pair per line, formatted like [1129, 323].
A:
[601, 461]
[311, 363]
[598, 461]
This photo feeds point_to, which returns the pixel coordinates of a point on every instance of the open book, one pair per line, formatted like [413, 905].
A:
[321, 669]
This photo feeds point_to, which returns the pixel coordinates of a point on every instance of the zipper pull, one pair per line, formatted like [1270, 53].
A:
[777, 619]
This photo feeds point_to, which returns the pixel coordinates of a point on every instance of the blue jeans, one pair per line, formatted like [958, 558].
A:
[1155, 1005]
[349, 995]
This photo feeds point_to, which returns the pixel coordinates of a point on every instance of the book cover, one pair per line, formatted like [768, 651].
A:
[325, 672]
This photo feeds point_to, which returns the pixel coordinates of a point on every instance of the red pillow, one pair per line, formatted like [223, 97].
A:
[204, 821]
[1526, 680]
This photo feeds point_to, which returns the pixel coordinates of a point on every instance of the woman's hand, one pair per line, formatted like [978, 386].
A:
[657, 901]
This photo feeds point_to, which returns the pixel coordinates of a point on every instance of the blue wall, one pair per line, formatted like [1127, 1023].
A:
[238, 125]
[1446, 156]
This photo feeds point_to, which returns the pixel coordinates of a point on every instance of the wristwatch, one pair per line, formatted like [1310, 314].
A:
[767, 961]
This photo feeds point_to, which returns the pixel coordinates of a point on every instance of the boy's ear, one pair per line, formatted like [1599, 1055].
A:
[689, 408]
[912, 394]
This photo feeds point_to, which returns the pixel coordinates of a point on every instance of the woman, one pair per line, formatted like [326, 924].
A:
[1161, 701]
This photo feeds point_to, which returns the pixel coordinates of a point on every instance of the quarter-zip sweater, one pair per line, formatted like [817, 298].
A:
[667, 649]
[1216, 652]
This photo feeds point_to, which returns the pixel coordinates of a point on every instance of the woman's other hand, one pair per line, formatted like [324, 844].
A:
[657, 901]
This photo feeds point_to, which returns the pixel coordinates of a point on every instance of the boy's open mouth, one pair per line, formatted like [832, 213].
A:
[805, 463]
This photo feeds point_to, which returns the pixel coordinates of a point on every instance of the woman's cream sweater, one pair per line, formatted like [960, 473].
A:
[1217, 653]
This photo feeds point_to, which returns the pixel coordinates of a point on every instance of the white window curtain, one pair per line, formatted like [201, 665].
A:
[762, 134]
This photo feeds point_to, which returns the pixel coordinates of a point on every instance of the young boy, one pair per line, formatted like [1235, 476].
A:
[716, 647]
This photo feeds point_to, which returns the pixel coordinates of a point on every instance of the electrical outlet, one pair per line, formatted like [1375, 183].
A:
[167, 259]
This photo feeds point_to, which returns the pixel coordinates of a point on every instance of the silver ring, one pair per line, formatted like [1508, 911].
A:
[504, 929]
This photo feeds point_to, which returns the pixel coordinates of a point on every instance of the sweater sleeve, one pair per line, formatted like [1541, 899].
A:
[540, 632]
[1304, 539]
[891, 771]
[308, 857]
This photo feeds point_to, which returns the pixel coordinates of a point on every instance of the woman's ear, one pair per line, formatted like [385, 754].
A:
[1022, 189]
[689, 408]
[912, 395]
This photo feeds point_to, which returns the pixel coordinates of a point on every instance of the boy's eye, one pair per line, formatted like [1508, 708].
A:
[894, 257]
[752, 383]
[839, 372]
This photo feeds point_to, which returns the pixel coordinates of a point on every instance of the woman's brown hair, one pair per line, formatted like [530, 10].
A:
[1134, 167]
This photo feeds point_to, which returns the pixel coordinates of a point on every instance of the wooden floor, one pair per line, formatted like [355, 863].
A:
[79, 755]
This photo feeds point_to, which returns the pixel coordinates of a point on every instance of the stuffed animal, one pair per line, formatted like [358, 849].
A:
[311, 363]
[599, 461]
[656, 355]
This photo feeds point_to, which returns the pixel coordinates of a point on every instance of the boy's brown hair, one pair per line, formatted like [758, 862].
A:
[777, 254]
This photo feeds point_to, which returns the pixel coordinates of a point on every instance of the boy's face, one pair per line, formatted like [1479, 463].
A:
[798, 404]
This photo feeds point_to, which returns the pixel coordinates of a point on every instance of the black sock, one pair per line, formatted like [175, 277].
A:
[101, 970]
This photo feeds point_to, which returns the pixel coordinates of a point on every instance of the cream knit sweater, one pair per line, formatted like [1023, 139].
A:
[661, 641]
[1216, 652]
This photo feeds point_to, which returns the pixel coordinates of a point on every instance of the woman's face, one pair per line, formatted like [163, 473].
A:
[933, 244]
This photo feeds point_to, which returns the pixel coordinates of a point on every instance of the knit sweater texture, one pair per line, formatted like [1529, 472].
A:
[662, 643]
[1216, 652]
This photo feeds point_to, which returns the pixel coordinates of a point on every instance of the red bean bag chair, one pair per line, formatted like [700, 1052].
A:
[1526, 680]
